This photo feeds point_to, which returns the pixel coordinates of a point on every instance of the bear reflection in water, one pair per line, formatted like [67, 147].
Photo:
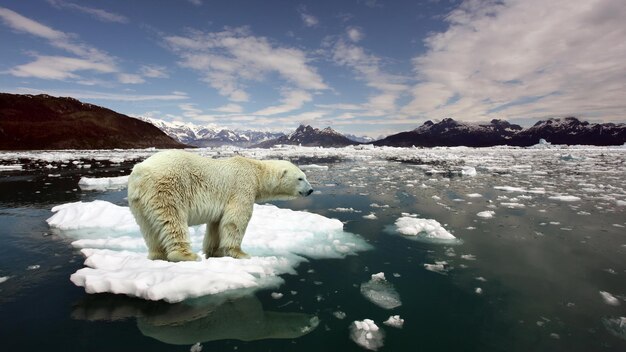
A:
[205, 319]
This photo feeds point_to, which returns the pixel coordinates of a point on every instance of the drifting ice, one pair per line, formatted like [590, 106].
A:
[277, 239]
[380, 292]
[367, 334]
[103, 183]
[427, 230]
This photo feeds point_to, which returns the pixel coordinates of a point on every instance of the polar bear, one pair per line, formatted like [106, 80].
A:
[174, 189]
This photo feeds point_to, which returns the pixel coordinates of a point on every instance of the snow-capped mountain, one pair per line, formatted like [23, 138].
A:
[449, 132]
[570, 130]
[210, 136]
[310, 136]
[360, 139]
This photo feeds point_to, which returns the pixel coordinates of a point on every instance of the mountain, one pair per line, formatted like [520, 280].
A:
[451, 133]
[570, 130]
[44, 122]
[311, 137]
[360, 139]
[208, 136]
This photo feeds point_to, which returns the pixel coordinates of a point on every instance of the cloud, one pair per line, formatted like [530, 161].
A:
[130, 78]
[153, 71]
[521, 59]
[229, 59]
[59, 67]
[230, 108]
[99, 14]
[292, 100]
[308, 19]
[195, 2]
[56, 38]
[83, 94]
[355, 34]
[387, 88]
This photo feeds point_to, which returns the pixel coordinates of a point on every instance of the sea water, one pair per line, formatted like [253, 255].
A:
[543, 271]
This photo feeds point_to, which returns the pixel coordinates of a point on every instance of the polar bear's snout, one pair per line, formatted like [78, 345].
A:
[305, 187]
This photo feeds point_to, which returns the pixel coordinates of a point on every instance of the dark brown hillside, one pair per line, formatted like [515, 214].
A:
[44, 122]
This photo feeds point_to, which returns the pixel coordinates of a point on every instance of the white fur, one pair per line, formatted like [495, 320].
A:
[174, 189]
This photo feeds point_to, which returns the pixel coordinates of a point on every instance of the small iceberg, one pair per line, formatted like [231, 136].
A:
[381, 292]
[367, 334]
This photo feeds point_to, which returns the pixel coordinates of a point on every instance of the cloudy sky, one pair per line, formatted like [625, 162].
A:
[361, 66]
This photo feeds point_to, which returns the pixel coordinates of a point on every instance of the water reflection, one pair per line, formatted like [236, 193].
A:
[205, 319]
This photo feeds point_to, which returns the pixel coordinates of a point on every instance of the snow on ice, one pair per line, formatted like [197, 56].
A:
[116, 256]
[367, 334]
[381, 292]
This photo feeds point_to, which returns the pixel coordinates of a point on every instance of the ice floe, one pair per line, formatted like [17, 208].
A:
[487, 214]
[367, 334]
[609, 298]
[426, 230]
[616, 326]
[103, 183]
[440, 267]
[116, 257]
[381, 292]
[565, 198]
[394, 321]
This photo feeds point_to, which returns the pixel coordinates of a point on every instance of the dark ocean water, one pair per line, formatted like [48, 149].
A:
[539, 263]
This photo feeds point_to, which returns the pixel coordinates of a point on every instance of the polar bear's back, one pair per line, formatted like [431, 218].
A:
[200, 186]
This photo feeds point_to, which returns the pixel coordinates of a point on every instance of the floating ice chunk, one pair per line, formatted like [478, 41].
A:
[536, 190]
[620, 203]
[277, 239]
[468, 171]
[427, 230]
[381, 292]
[197, 347]
[440, 267]
[394, 321]
[609, 298]
[345, 210]
[10, 167]
[478, 291]
[616, 326]
[277, 295]
[370, 216]
[103, 183]
[33, 267]
[487, 214]
[367, 334]
[3, 279]
[565, 198]
[339, 315]
[468, 257]
[513, 205]
[313, 167]
[474, 195]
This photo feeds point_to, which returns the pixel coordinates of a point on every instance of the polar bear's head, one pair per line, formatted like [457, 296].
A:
[290, 181]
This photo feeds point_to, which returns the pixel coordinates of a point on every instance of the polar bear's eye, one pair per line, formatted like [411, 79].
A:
[300, 179]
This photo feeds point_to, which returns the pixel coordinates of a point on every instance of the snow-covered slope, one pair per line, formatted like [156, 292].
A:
[210, 136]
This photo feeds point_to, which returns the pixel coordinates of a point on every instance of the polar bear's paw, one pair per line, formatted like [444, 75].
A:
[179, 256]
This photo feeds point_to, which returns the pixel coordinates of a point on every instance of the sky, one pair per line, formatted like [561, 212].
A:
[366, 67]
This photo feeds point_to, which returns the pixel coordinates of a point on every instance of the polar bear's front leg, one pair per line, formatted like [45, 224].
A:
[232, 228]
[231, 236]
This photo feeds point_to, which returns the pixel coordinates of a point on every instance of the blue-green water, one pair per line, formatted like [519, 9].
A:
[540, 264]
